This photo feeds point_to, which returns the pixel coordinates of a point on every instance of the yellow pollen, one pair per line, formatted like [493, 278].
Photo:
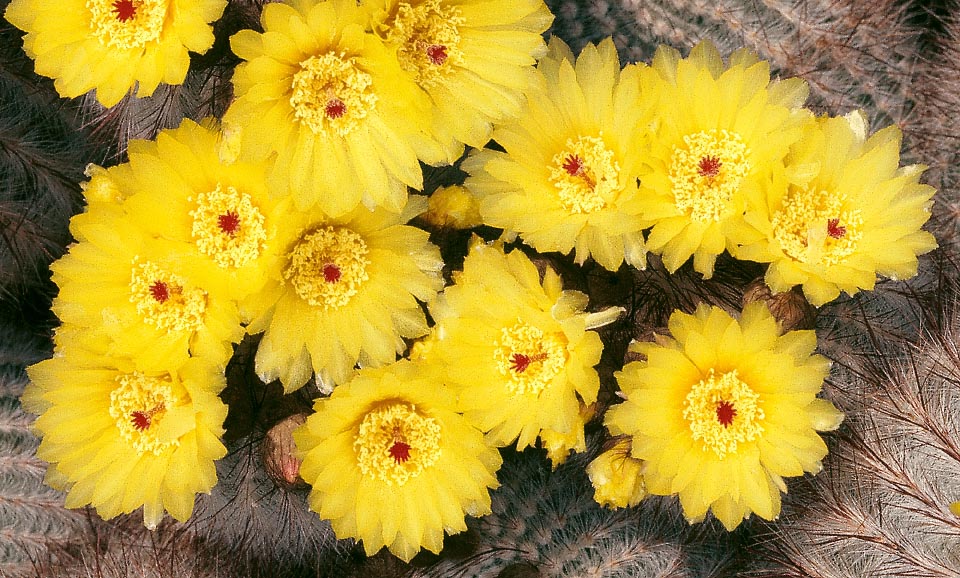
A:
[428, 40]
[317, 255]
[138, 405]
[332, 94]
[817, 228]
[164, 301]
[723, 412]
[385, 428]
[227, 227]
[127, 24]
[528, 358]
[706, 173]
[585, 174]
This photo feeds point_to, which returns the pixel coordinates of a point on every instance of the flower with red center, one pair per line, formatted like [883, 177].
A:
[120, 439]
[567, 179]
[346, 291]
[838, 228]
[723, 410]
[114, 46]
[325, 97]
[526, 365]
[392, 463]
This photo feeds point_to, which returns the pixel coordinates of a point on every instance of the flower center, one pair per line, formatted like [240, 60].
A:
[428, 40]
[332, 94]
[138, 405]
[127, 24]
[815, 227]
[395, 443]
[723, 412]
[328, 266]
[585, 175]
[706, 173]
[528, 358]
[162, 299]
[227, 227]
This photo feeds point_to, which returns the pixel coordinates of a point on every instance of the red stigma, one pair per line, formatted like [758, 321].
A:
[124, 9]
[437, 53]
[335, 108]
[159, 291]
[573, 165]
[331, 273]
[520, 362]
[709, 167]
[725, 413]
[141, 419]
[229, 223]
[400, 451]
[834, 229]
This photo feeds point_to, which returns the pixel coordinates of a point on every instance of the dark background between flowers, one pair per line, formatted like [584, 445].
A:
[879, 509]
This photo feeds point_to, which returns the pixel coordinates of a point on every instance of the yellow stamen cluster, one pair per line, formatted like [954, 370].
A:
[428, 36]
[706, 173]
[227, 227]
[317, 255]
[383, 430]
[528, 358]
[164, 301]
[332, 94]
[585, 174]
[815, 227]
[127, 24]
[723, 412]
[138, 405]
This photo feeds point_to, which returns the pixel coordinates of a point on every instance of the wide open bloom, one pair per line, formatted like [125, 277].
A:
[473, 57]
[723, 132]
[848, 213]
[114, 45]
[118, 438]
[392, 463]
[346, 291]
[568, 177]
[346, 123]
[723, 410]
[519, 351]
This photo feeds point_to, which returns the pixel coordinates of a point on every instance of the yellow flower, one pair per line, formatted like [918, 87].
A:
[724, 410]
[392, 463]
[452, 207]
[473, 57]
[346, 123]
[616, 477]
[118, 438]
[140, 293]
[955, 508]
[723, 131]
[518, 351]
[848, 213]
[113, 45]
[568, 178]
[346, 291]
[179, 189]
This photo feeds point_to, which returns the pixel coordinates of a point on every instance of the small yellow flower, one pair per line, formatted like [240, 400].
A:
[616, 476]
[452, 207]
[955, 508]
[346, 290]
[140, 293]
[724, 410]
[346, 123]
[178, 189]
[722, 132]
[519, 351]
[474, 58]
[118, 438]
[114, 45]
[568, 178]
[848, 213]
[392, 463]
